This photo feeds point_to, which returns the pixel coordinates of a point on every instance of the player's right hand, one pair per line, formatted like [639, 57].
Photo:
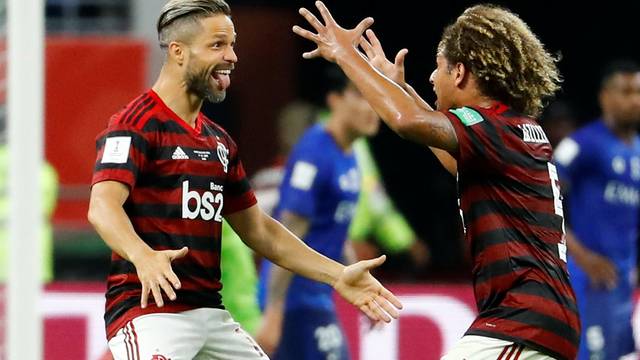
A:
[155, 273]
[601, 271]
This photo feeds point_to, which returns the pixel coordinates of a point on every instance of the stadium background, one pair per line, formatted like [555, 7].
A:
[101, 53]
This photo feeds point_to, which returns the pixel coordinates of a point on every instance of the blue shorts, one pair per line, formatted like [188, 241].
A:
[606, 320]
[311, 335]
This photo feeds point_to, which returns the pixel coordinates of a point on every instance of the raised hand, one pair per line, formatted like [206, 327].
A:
[155, 275]
[333, 41]
[361, 289]
[375, 54]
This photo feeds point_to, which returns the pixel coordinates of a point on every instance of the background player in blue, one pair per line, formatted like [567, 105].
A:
[318, 198]
[599, 166]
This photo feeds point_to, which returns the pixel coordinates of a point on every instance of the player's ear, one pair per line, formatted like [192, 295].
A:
[176, 51]
[460, 73]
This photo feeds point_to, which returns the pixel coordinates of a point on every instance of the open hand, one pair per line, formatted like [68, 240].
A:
[155, 273]
[375, 54]
[333, 41]
[361, 289]
[600, 270]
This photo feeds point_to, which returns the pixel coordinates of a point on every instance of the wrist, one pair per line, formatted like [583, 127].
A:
[347, 55]
[336, 274]
[137, 253]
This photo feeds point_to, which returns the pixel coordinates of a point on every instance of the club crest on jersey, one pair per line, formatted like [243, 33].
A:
[159, 357]
[223, 156]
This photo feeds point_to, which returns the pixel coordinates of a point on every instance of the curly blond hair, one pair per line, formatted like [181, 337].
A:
[508, 60]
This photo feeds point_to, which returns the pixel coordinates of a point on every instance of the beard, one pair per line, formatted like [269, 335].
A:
[199, 83]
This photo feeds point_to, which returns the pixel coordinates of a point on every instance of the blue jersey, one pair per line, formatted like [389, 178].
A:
[322, 184]
[603, 175]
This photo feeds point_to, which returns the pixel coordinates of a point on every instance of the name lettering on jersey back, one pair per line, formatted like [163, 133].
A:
[618, 193]
[207, 205]
[533, 133]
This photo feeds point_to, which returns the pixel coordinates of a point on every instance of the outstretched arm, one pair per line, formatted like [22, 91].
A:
[374, 53]
[395, 106]
[271, 239]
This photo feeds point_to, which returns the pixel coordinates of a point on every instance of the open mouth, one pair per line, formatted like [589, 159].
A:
[221, 78]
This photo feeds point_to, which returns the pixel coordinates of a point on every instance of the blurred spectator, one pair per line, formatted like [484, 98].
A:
[377, 221]
[318, 198]
[49, 192]
[599, 166]
[240, 290]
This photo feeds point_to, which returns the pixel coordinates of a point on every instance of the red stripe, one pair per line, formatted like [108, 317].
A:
[127, 343]
[513, 349]
[135, 340]
[519, 352]
[503, 352]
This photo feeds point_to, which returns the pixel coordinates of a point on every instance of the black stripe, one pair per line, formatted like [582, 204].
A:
[127, 120]
[175, 181]
[534, 319]
[477, 209]
[119, 267]
[174, 241]
[183, 269]
[504, 235]
[133, 106]
[543, 191]
[164, 211]
[239, 187]
[546, 291]
[169, 126]
[513, 264]
[129, 166]
[143, 112]
[120, 308]
[523, 159]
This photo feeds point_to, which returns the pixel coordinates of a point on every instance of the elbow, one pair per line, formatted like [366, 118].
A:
[92, 213]
[403, 125]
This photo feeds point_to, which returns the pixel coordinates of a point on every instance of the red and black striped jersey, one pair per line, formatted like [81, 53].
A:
[182, 181]
[512, 213]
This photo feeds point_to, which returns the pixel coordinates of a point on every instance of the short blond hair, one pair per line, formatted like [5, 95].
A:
[508, 60]
[178, 17]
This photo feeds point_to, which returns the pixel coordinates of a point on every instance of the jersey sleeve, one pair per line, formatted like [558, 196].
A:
[570, 157]
[479, 143]
[304, 179]
[238, 192]
[122, 154]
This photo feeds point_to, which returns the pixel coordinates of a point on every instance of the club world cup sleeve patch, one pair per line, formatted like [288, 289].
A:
[116, 150]
[467, 116]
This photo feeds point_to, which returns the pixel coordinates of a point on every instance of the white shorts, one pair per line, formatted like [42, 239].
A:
[472, 347]
[203, 333]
